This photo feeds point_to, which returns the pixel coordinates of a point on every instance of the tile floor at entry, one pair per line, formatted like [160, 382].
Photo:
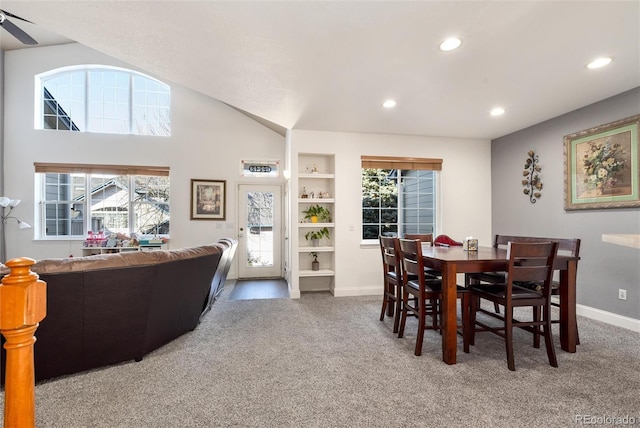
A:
[249, 289]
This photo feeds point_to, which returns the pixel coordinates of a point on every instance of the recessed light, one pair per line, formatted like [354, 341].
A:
[497, 111]
[389, 104]
[599, 62]
[450, 44]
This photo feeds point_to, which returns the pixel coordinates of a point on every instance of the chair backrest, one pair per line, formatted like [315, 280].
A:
[569, 246]
[412, 264]
[390, 256]
[422, 237]
[531, 262]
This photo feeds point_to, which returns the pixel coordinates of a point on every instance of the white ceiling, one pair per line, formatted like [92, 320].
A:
[329, 65]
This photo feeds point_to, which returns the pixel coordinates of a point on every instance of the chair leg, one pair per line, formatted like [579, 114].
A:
[508, 337]
[496, 307]
[548, 340]
[464, 308]
[403, 318]
[434, 313]
[536, 335]
[473, 308]
[385, 298]
[422, 320]
[396, 318]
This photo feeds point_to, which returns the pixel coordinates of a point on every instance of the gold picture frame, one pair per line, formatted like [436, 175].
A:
[208, 199]
[601, 166]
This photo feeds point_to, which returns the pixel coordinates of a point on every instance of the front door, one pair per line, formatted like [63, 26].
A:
[260, 231]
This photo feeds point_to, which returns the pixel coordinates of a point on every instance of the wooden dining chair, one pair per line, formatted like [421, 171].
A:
[422, 237]
[572, 248]
[425, 237]
[530, 262]
[427, 293]
[568, 246]
[500, 241]
[392, 279]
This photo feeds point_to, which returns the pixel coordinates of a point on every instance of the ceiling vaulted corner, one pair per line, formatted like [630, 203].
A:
[327, 65]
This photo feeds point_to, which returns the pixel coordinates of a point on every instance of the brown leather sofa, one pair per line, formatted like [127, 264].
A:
[110, 308]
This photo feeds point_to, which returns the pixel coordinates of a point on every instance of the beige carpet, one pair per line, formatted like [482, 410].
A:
[328, 362]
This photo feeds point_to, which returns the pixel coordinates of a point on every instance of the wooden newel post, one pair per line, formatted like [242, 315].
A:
[23, 304]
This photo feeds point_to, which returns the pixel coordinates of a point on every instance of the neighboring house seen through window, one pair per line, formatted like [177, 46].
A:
[103, 99]
[398, 196]
[88, 199]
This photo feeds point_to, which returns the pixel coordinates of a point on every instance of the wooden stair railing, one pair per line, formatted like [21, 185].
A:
[23, 304]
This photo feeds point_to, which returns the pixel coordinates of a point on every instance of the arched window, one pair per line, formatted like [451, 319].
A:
[103, 99]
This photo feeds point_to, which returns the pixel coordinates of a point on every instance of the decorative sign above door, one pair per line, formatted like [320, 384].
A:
[260, 168]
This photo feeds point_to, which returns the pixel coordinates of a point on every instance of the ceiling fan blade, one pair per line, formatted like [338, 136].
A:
[16, 32]
[15, 16]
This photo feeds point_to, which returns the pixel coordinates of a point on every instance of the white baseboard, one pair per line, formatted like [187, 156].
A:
[294, 294]
[582, 310]
[608, 317]
[351, 292]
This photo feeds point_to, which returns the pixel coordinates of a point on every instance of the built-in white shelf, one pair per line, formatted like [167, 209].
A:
[312, 185]
[321, 272]
[316, 200]
[318, 175]
[316, 249]
[321, 225]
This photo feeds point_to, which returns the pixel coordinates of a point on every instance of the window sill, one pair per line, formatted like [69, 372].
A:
[369, 244]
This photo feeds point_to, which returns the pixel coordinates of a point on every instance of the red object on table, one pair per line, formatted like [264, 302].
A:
[445, 241]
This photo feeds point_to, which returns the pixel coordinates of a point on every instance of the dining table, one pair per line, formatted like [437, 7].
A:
[455, 260]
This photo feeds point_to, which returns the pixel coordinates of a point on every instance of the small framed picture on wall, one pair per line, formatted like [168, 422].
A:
[208, 199]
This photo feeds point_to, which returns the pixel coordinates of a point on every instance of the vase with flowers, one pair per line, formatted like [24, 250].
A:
[601, 165]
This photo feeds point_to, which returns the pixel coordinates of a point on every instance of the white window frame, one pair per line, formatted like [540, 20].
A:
[399, 224]
[41, 201]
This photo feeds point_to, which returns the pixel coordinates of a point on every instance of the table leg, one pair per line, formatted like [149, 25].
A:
[449, 320]
[568, 323]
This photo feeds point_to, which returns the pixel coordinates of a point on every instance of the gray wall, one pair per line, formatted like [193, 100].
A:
[604, 267]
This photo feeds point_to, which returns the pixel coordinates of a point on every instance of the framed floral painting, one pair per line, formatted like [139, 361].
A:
[601, 166]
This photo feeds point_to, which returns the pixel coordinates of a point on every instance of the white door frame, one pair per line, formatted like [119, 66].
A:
[245, 271]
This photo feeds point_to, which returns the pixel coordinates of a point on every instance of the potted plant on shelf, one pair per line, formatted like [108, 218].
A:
[316, 235]
[315, 264]
[317, 214]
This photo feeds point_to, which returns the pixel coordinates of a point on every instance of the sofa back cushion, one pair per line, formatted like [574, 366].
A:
[109, 308]
[179, 294]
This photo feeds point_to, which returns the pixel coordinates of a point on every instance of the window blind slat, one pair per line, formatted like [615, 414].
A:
[65, 168]
[406, 163]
